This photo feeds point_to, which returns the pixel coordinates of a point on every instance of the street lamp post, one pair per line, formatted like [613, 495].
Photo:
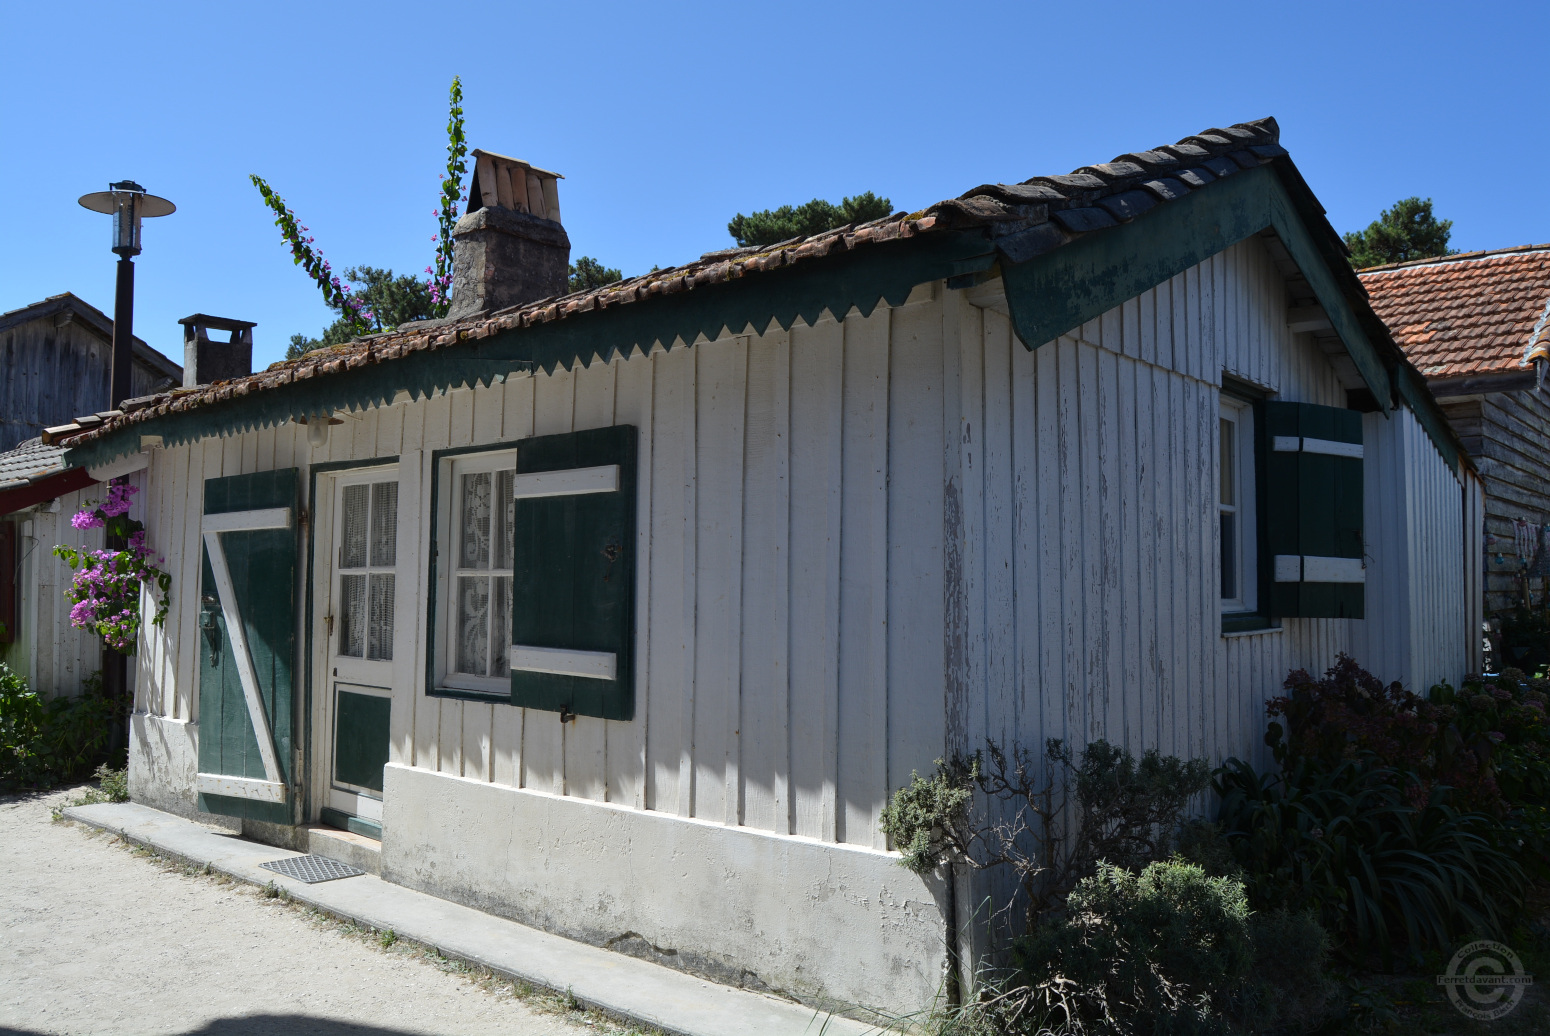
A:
[127, 202]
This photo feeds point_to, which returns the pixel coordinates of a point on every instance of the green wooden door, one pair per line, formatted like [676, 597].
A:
[247, 646]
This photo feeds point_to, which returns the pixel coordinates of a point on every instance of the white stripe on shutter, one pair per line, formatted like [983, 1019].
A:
[1309, 568]
[1330, 447]
[1332, 570]
[594, 665]
[241, 788]
[1288, 568]
[568, 482]
[247, 521]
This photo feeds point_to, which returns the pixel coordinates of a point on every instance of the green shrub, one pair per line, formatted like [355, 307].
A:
[1353, 845]
[929, 813]
[1126, 811]
[44, 741]
[1161, 951]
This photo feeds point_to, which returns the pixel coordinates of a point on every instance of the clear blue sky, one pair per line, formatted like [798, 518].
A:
[667, 119]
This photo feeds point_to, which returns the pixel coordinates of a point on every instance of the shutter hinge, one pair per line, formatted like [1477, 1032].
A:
[328, 625]
[301, 517]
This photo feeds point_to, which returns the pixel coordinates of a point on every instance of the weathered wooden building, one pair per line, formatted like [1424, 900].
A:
[1475, 326]
[54, 363]
[54, 360]
[622, 613]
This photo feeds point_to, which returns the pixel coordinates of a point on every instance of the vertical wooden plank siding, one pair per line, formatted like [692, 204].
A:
[872, 540]
[586, 739]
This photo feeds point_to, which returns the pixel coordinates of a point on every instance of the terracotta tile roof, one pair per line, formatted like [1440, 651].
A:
[1474, 313]
[1021, 221]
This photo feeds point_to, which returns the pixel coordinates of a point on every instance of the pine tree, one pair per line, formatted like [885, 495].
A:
[1404, 232]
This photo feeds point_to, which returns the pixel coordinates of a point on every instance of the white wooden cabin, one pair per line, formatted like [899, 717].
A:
[886, 491]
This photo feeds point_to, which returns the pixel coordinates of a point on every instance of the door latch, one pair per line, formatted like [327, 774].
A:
[212, 631]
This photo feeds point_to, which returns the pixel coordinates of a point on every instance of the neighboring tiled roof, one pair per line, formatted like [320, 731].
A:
[1457, 315]
[1022, 220]
[94, 318]
[29, 462]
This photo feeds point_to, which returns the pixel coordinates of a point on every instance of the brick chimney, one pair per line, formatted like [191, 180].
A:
[510, 246]
[206, 362]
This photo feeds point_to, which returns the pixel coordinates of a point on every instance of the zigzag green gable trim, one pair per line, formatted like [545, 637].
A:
[1063, 289]
[1057, 292]
[836, 284]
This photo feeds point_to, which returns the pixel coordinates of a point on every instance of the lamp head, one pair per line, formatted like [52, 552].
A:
[127, 202]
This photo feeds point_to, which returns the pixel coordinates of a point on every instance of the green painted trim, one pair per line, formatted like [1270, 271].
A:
[1056, 292]
[877, 273]
[431, 690]
[1053, 294]
[338, 818]
[307, 755]
[1247, 622]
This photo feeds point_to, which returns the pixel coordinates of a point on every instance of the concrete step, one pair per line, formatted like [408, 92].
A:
[345, 846]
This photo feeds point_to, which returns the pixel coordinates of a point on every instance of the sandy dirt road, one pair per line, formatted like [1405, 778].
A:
[97, 939]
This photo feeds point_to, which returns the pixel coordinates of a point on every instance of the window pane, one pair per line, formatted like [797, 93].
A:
[379, 641]
[500, 628]
[473, 623]
[353, 534]
[1229, 556]
[1229, 460]
[474, 506]
[384, 524]
[352, 615]
[505, 514]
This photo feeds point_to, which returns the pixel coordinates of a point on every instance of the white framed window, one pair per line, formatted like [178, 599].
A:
[365, 566]
[475, 507]
[1239, 564]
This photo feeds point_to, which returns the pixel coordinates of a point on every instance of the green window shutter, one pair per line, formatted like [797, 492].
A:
[573, 574]
[1313, 501]
[247, 682]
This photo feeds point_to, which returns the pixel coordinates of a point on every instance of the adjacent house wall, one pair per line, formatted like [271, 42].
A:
[56, 369]
[55, 657]
[1501, 430]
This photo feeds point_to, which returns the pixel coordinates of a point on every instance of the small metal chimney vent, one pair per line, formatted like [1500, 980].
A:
[206, 362]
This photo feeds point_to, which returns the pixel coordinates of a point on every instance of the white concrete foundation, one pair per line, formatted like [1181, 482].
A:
[832, 925]
[164, 763]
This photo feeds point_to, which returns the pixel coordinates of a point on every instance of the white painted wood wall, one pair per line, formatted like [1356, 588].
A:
[54, 656]
[871, 541]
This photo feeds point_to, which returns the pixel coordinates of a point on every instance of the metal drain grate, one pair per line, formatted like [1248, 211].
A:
[312, 869]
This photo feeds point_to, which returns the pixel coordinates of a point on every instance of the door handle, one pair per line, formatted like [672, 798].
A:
[212, 634]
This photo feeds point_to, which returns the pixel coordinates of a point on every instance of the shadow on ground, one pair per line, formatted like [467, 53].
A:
[264, 1025]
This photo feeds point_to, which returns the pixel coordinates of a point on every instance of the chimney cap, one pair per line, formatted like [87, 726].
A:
[477, 152]
[217, 323]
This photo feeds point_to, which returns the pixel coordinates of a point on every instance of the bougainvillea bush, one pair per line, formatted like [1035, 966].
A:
[105, 594]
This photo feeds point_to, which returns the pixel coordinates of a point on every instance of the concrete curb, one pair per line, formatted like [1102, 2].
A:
[624, 988]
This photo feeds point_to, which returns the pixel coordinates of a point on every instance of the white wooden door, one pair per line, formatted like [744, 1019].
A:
[359, 640]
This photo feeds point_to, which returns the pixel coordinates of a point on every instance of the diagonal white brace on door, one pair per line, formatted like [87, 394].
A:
[212, 527]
